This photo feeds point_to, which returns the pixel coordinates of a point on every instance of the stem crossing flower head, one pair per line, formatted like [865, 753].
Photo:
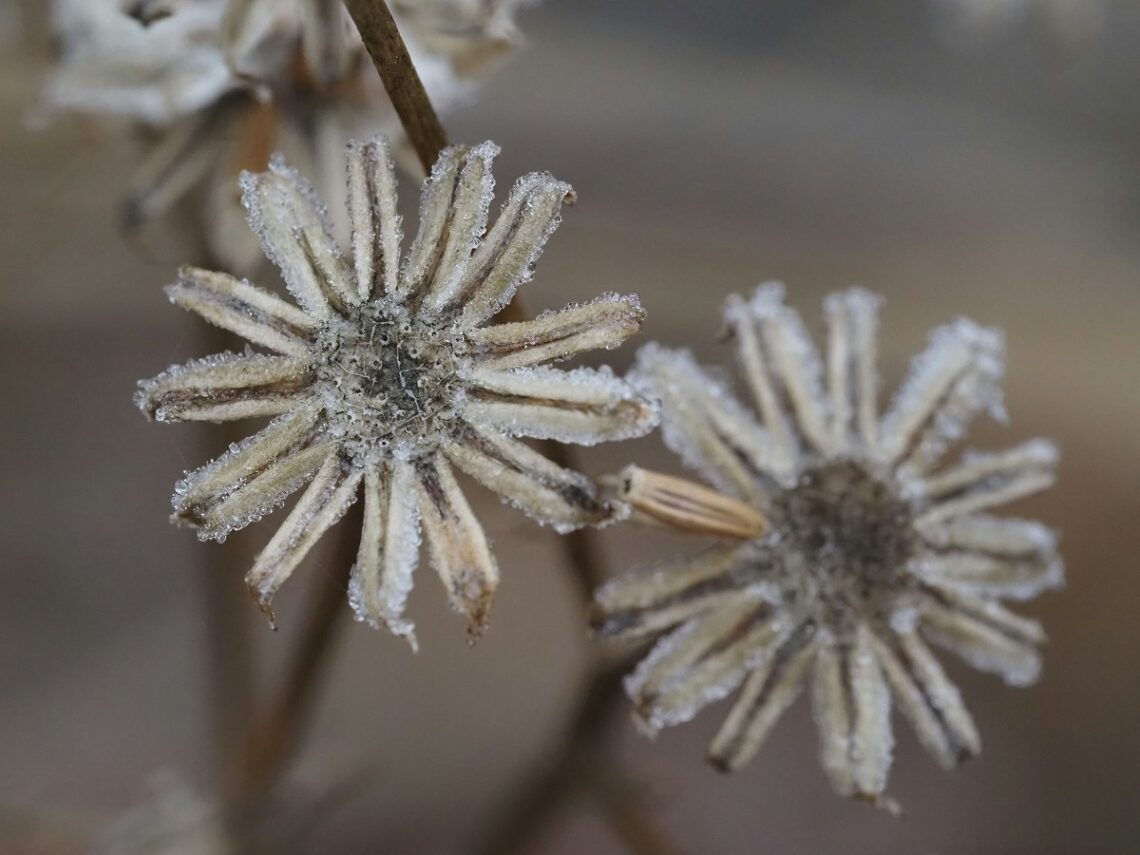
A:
[386, 376]
[844, 548]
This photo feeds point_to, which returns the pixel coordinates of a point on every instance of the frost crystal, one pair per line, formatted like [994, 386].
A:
[388, 376]
[869, 550]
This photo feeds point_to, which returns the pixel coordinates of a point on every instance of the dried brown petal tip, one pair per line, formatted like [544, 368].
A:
[686, 505]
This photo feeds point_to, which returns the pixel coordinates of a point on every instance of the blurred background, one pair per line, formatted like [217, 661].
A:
[988, 171]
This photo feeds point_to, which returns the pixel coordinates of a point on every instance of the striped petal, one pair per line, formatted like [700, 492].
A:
[584, 406]
[375, 222]
[955, 378]
[225, 387]
[457, 544]
[435, 215]
[787, 362]
[983, 481]
[852, 376]
[470, 203]
[769, 690]
[505, 259]
[603, 323]
[706, 426]
[294, 232]
[928, 699]
[544, 491]
[235, 305]
[661, 596]
[676, 655]
[253, 477]
[751, 643]
[986, 635]
[852, 705]
[332, 490]
[389, 547]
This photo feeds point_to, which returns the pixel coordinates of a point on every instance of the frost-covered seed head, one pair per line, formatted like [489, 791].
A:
[386, 377]
[867, 549]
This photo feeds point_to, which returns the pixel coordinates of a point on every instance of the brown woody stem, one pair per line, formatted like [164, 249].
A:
[277, 733]
[401, 81]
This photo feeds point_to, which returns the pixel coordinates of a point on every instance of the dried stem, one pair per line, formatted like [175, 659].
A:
[277, 733]
[401, 81]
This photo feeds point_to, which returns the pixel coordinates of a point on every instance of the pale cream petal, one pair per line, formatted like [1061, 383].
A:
[389, 547]
[505, 259]
[956, 377]
[984, 481]
[375, 222]
[295, 236]
[770, 689]
[984, 634]
[252, 477]
[929, 700]
[603, 323]
[675, 654]
[752, 643]
[992, 557]
[468, 220]
[544, 491]
[435, 214]
[794, 363]
[852, 705]
[757, 374]
[663, 595]
[852, 375]
[707, 427]
[235, 305]
[323, 503]
[225, 387]
[584, 406]
[457, 543]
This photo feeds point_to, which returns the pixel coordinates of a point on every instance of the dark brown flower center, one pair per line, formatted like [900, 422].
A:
[847, 536]
[388, 379]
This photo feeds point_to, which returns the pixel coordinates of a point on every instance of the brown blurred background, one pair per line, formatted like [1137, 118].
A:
[713, 145]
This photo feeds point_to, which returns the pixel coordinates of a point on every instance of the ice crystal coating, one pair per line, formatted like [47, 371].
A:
[387, 376]
[872, 550]
[226, 82]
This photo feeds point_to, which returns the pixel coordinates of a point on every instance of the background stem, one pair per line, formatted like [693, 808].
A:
[401, 80]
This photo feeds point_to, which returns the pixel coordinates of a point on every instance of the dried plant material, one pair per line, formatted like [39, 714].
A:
[215, 86]
[874, 552]
[685, 505]
[386, 377]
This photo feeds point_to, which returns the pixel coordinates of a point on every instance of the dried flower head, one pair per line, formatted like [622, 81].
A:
[387, 376]
[217, 85]
[865, 552]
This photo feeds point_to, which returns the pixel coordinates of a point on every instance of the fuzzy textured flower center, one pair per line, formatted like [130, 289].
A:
[849, 535]
[388, 379]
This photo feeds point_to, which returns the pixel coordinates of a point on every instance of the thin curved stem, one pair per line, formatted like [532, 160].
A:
[401, 81]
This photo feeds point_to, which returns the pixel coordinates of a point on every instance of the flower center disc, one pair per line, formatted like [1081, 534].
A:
[387, 378]
[849, 536]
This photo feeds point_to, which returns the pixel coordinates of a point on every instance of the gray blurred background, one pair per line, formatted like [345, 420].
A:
[713, 145]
